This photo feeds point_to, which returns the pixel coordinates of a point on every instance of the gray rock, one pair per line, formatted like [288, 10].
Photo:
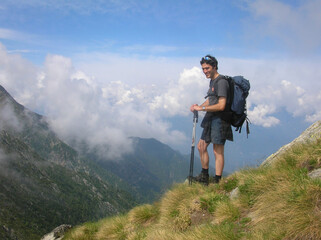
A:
[315, 173]
[235, 193]
[58, 233]
[310, 135]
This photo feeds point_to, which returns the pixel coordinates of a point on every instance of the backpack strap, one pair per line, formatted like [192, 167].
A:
[239, 129]
[229, 99]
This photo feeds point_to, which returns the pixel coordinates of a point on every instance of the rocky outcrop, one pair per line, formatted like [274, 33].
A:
[310, 135]
[315, 173]
[58, 233]
[234, 194]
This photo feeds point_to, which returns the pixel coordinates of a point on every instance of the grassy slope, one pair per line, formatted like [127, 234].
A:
[273, 202]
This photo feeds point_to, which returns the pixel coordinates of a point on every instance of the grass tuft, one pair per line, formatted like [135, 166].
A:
[113, 228]
[144, 215]
[210, 201]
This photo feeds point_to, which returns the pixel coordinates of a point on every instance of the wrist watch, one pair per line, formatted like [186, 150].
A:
[203, 108]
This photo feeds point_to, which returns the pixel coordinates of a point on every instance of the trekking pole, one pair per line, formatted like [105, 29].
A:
[191, 167]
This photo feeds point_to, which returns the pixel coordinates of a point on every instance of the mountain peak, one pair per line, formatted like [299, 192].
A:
[5, 96]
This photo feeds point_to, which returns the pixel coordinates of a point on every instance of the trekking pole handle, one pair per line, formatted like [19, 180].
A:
[195, 118]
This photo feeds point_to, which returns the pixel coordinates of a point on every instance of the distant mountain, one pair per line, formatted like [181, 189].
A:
[151, 168]
[44, 182]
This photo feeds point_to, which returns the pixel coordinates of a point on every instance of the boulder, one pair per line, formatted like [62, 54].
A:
[315, 173]
[310, 135]
[58, 233]
[234, 194]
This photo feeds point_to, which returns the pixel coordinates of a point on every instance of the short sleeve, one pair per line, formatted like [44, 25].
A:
[222, 88]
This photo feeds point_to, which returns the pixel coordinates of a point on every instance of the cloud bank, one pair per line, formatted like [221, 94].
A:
[107, 113]
[80, 109]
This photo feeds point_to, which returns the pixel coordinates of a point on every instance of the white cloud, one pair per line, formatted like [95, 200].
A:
[190, 89]
[78, 108]
[260, 115]
[8, 118]
[132, 70]
[17, 74]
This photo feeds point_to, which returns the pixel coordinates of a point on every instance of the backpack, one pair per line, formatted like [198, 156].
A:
[235, 111]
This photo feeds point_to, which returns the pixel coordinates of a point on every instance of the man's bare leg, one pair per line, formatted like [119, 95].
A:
[202, 149]
[203, 177]
[219, 160]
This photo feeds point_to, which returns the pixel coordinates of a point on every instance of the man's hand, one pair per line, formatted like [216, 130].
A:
[198, 108]
[192, 108]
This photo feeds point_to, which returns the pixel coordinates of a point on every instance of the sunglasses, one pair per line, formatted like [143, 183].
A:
[207, 59]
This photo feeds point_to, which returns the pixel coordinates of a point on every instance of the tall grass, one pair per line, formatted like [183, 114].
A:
[279, 201]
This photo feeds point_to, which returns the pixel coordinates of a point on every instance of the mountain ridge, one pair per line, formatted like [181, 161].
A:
[43, 180]
[46, 182]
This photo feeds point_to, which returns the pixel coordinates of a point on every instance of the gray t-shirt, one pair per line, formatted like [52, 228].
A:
[219, 87]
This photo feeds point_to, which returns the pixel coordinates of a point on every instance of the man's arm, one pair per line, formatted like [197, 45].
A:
[220, 106]
[196, 107]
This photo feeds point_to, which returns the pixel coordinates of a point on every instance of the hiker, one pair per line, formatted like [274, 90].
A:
[215, 130]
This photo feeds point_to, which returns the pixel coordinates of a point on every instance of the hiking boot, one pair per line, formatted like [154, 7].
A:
[215, 179]
[202, 178]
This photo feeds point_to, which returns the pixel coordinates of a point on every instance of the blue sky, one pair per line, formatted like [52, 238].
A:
[162, 28]
[131, 68]
[128, 27]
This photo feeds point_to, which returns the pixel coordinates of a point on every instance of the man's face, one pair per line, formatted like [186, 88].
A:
[208, 70]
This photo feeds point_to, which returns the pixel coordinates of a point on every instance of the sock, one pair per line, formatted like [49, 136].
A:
[205, 171]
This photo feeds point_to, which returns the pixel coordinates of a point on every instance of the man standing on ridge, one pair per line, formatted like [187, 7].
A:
[215, 130]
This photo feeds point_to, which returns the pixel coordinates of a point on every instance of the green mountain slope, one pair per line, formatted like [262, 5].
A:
[44, 182]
